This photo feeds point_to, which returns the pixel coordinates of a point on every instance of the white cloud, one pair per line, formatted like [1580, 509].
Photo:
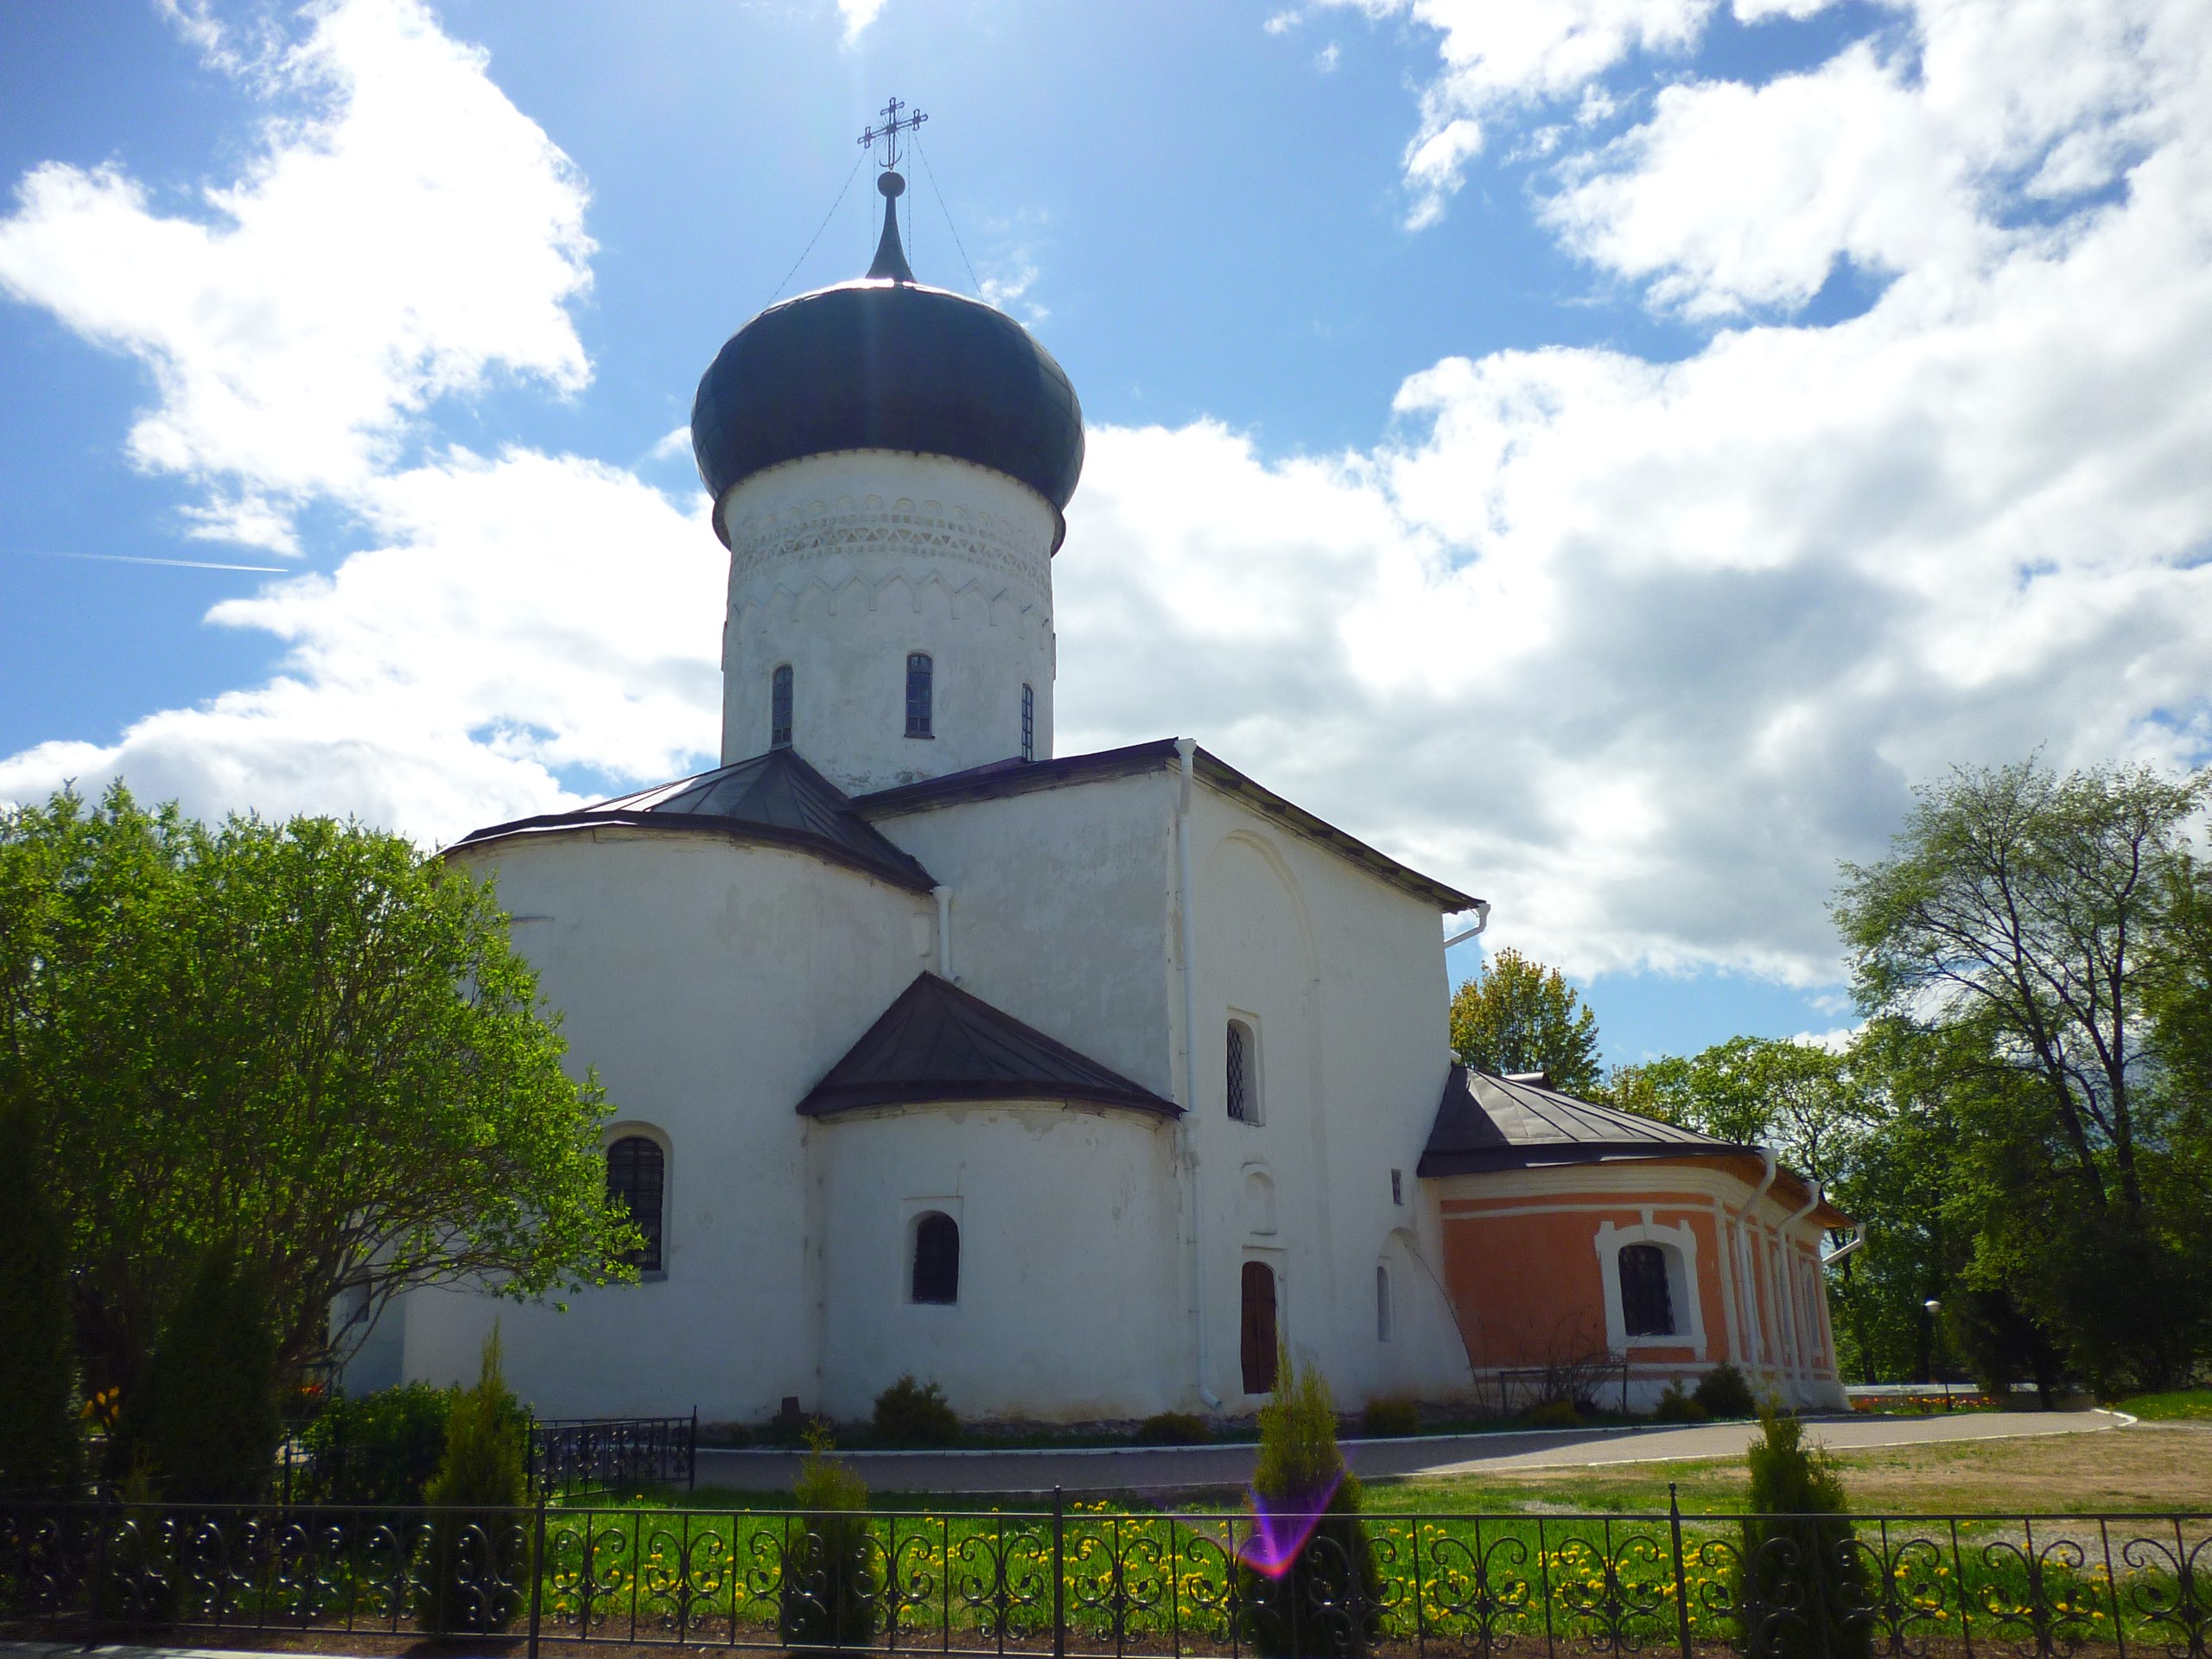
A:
[858, 14]
[409, 235]
[1636, 649]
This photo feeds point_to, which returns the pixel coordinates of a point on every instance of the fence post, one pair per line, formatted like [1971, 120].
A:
[537, 1570]
[1682, 1587]
[1059, 1581]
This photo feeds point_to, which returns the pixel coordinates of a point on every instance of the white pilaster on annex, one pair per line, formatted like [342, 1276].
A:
[845, 568]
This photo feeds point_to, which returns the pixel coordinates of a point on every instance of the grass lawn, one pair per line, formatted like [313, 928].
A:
[2179, 1406]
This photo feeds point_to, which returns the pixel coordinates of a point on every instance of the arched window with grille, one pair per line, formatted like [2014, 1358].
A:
[936, 1278]
[1647, 1304]
[636, 1172]
[780, 708]
[1029, 722]
[1241, 1081]
[921, 675]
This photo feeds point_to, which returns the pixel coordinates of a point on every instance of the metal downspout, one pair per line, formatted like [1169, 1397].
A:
[1186, 750]
[943, 897]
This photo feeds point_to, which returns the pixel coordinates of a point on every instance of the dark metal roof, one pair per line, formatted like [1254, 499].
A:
[1001, 778]
[937, 1043]
[1486, 1122]
[774, 797]
[885, 363]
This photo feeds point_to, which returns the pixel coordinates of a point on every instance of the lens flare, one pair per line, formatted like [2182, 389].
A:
[1278, 1535]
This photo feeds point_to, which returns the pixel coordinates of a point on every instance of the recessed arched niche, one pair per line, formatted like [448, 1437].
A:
[1257, 1205]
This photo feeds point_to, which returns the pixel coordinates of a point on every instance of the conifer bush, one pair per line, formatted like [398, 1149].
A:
[201, 1424]
[1801, 1585]
[913, 1414]
[1676, 1406]
[1173, 1428]
[1726, 1392]
[1300, 1594]
[1390, 1419]
[477, 1549]
[830, 1595]
[42, 1439]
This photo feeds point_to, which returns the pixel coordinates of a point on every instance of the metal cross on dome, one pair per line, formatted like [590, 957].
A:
[887, 134]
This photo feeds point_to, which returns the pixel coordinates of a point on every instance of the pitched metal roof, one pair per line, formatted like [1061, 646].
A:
[937, 1043]
[1003, 778]
[1486, 1122]
[774, 797]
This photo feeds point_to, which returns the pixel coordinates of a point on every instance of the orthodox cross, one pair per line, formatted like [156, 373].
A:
[887, 136]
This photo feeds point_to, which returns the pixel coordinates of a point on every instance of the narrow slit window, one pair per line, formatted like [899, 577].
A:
[1243, 1098]
[937, 1260]
[1398, 1187]
[1385, 1324]
[920, 680]
[1029, 722]
[636, 1175]
[779, 709]
[1647, 1305]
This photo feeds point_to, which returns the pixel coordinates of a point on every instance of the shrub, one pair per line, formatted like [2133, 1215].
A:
[42, 1439]
[1675, 1407]
[1173, 1428]
[912, 1414]
[1800, 1583]
[1551, 1413]
[201, 1425]
[477, 1549]
[1302, 1591]
[825, 1599]
[1724, 1391]
[1390, 1419]
[381, 1448]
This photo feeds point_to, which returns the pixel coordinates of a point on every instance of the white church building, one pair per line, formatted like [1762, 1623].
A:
[1066, 1081]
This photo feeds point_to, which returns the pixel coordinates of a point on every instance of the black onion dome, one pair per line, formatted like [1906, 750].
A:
[887, 364]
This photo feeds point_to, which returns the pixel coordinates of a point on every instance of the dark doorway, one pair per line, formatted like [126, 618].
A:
[1258, 1343]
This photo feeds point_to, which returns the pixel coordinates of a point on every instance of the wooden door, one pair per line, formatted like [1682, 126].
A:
[1257, 1329]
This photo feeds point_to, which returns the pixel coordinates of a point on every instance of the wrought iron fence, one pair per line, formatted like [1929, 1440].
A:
[1091, 1580]
[579, 1453]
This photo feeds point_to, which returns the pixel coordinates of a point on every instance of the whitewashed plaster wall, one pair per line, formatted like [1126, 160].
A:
[842, 564]
[1341, 976]
[1060, 911]
[1068, 1305]
[711, 982]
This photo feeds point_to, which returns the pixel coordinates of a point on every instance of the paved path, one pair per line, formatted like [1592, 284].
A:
[1163, 1468]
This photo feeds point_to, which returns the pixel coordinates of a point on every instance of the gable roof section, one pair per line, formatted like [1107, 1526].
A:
[937, 1043]
[1486, 1122]
[776, 799]
[1004, 778]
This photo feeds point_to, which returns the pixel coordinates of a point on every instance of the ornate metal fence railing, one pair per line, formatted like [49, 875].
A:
[1095, 1580]
[607, 1453]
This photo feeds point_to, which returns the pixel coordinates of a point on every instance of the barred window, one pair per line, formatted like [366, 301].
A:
[937, 1259]
[1647, 1305]
[779, 709]
[1243, 1078]
[921, 673]
[636, 1170]
[1029, 722]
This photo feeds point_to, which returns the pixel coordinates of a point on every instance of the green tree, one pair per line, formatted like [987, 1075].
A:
[2033, 928]
[1518, 1015]
[1800, 1582]
[202, 1426]
[303, 1039]
[1809, 1103]
[1326, 1597]
[477, 1551]
[42, 1440]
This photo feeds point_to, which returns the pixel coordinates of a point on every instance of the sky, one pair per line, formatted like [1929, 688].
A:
[1606, 452]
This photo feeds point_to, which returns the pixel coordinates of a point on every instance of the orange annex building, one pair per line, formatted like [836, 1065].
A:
[1639, 1253]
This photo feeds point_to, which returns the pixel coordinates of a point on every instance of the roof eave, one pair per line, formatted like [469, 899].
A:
[831, 1102]
[916, 879]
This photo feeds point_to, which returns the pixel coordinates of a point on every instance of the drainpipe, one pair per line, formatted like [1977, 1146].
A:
[943, 897]
[1186, 751]
[1857, 1241]
[1795, 1338]
[1748, 1278]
